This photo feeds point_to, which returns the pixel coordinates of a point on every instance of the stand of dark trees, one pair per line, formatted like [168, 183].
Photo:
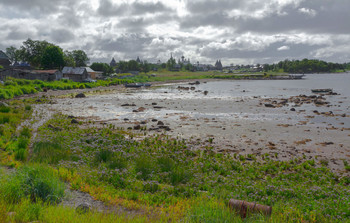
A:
[305, 66]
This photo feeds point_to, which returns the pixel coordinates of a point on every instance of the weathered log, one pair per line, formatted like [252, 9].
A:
[244, 207]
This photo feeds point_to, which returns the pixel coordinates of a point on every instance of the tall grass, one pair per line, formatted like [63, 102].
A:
[37, 182]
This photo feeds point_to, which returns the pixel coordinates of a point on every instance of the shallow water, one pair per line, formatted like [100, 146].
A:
[227, 100]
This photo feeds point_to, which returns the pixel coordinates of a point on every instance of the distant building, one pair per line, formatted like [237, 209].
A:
[44, 75]
[76, 73]
[4, 60]
[218, 65]
[113, 63]
[138, 60]
[22, 66]
[91, 72]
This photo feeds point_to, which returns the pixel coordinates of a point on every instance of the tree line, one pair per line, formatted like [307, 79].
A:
[42, 54]
[305, 66]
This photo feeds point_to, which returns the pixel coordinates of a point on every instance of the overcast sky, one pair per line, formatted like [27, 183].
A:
[235, 31]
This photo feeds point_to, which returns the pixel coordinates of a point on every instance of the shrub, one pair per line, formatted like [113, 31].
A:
[50, 152]
[21, 154]
[26, 132]
[5, 109]
[165, 163]
[103, 155]
[36, 182]
[144, 167]
[179, 175]
[117, 163]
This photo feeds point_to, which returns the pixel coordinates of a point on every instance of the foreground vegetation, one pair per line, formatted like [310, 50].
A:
[157, 177]
[17, 87]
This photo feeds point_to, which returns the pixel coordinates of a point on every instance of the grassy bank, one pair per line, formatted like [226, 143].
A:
[167, 181]
[17, 87]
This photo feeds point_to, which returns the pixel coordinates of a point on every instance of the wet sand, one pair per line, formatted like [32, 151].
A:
[241, 125]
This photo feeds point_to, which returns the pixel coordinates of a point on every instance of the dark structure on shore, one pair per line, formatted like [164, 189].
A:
[218, 65]
[113, 63]
[4, 60]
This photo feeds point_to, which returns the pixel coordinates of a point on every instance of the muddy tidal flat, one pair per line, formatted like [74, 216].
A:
[282, 118]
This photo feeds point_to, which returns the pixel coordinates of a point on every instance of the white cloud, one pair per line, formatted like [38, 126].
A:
[283, 48]
[204, 30]
[309, 12]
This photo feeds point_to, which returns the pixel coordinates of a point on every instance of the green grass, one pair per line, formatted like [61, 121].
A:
[36, 182]
[17, 87]
[162, 172]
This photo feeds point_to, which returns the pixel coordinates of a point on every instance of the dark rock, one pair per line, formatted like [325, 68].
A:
[126, 119]
[197, 82]
[292, 109]
[153, 103]
[125, 105]
[154, 120]
[158, 107]
[143, 123]
[137, 127]
[205, 92]
[83, 208]
[80, 95]
[54, 127]
[71, 116]
[269, 105]
[74, 121]
[160, 123]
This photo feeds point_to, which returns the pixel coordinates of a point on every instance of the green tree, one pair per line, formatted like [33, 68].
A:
[103, 67]
[68, 59]
[32, 51]
[122, 66]
[170, 64]
[80, 58]
[13, 54]
[52, 58]
[133, 65]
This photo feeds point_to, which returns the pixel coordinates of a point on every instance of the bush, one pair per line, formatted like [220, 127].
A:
[21, 154]
[49, 152]
[103, 155]
[144, 167]
[37, 182]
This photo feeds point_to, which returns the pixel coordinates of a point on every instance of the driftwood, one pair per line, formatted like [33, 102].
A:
[244, 207]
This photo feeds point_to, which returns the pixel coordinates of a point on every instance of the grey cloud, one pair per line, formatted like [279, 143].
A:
[62, 35]
[107, 8]
[132, 43]
[40, 6]
[329, 17]
[20, 34]
[296, 51]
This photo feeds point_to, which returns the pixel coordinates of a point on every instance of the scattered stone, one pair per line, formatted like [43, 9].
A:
[126, 105]
[137, 127]
[143, 122]
[83, 208]
[160, 123]
[154, 120]
[292, 109]
[80, 95]
[205, 92]
[269, 105]
[74, 121]
[158, 107]
[153, 103]
[126, 119]
[54, 127]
